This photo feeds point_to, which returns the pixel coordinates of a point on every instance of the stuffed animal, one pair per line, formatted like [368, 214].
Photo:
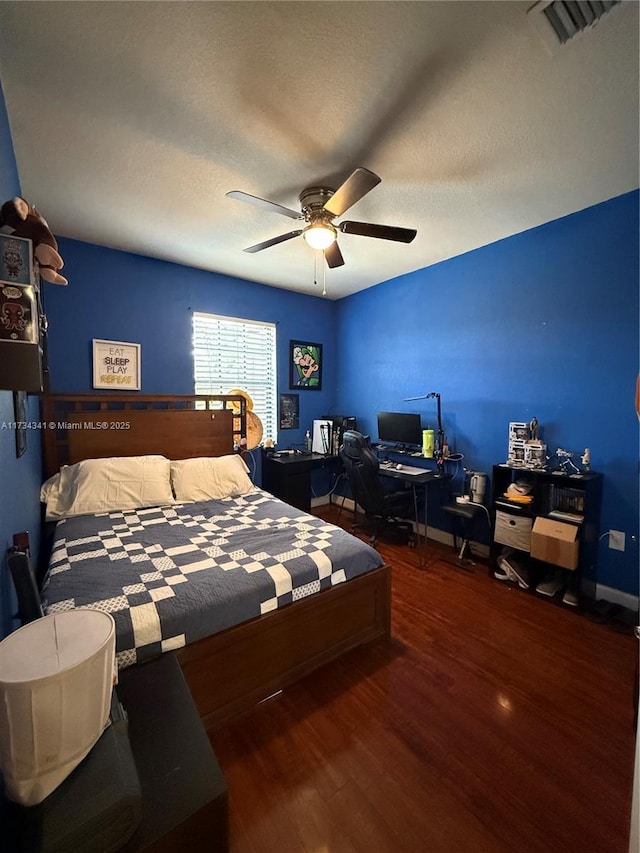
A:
[21, 218]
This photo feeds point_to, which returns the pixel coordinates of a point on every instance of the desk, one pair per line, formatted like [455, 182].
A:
[428, 475]
[289, 477]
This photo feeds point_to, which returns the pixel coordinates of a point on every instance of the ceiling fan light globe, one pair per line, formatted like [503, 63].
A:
[320, 236]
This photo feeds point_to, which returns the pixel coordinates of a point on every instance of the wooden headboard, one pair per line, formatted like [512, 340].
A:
[93, 426]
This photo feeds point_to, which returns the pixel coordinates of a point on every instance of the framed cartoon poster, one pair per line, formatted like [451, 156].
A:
[116, 365]
[305, 365]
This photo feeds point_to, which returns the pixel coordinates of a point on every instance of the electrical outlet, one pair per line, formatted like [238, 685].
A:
[616, 540]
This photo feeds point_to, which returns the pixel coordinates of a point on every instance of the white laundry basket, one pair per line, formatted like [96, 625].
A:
[56, 679]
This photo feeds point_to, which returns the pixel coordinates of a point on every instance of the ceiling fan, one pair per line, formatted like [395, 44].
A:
[320, 206]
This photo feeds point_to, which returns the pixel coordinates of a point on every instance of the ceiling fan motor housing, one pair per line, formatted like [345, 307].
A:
[312, 202]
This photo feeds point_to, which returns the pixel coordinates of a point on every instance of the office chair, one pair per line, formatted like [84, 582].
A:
[383, 508]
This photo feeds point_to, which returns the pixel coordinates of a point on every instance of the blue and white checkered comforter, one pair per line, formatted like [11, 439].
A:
[171, 575]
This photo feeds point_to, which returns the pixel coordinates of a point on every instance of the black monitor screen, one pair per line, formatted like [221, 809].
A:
[399, 427]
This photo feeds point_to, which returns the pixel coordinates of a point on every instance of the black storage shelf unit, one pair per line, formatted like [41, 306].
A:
[572, 498]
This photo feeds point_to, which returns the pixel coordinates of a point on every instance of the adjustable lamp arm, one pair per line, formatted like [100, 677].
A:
[440, 452]
[435, 394]
[440, 430]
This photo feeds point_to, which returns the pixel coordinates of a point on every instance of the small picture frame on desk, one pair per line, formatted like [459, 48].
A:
[305, 365]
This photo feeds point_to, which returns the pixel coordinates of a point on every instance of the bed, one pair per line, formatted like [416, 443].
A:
[249, 593]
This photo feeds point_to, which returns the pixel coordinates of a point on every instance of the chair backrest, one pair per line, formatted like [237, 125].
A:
[361, 467]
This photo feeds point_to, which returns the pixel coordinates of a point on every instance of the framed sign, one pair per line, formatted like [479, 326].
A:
[305, 365]
[289, 411]
[116, 365]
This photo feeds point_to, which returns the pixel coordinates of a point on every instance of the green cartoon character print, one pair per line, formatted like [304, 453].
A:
[306, 360]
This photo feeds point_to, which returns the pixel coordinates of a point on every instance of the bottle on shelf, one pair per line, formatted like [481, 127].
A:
[307, 442]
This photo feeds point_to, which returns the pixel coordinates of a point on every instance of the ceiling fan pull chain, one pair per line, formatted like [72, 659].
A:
[324, 276]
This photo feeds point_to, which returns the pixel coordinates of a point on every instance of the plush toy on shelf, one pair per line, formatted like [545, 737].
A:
[19, 217]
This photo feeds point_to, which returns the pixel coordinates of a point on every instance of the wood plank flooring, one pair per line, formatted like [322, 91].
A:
[495, 721]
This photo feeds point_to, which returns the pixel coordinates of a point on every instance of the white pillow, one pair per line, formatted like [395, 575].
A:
[205, 477]
[105, 485]
[50, 495]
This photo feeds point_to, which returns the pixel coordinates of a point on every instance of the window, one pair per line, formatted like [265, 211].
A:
[232, 353]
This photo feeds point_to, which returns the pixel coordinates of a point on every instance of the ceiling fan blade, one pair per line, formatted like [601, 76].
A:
[333, 256]
[382, 232]
[266, 205]
[357, 185]
[273, 242]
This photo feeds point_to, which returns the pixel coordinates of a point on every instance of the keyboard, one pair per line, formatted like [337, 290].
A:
[411, 469]
[404, 469]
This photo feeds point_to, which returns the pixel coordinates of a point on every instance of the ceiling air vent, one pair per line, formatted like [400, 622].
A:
[567, 18]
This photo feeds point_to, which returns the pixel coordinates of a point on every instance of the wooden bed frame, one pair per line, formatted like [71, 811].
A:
[94, 426]
[231, 671]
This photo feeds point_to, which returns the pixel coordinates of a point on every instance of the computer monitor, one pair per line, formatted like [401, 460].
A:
[399, 428]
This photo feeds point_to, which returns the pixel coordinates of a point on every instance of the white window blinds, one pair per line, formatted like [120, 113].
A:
[231, 353]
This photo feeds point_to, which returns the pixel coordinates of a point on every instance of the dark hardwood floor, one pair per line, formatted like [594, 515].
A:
[495, 721]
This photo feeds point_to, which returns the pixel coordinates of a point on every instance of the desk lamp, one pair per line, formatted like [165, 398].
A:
[440, 445]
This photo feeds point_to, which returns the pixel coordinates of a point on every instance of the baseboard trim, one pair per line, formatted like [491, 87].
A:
[617, 596]
[322, 500]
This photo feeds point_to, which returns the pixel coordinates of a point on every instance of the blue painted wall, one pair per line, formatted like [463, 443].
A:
[19, 478]
[542, 324]
[125, 297]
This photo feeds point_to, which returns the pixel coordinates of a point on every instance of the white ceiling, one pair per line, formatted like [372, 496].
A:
[131, 121]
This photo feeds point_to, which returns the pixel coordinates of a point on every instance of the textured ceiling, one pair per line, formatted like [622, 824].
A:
[131, 121]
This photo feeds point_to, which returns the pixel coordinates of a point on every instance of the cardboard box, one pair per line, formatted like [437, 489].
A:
[535, 454]
[516, 453]
[519, 431]
[555, 542]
